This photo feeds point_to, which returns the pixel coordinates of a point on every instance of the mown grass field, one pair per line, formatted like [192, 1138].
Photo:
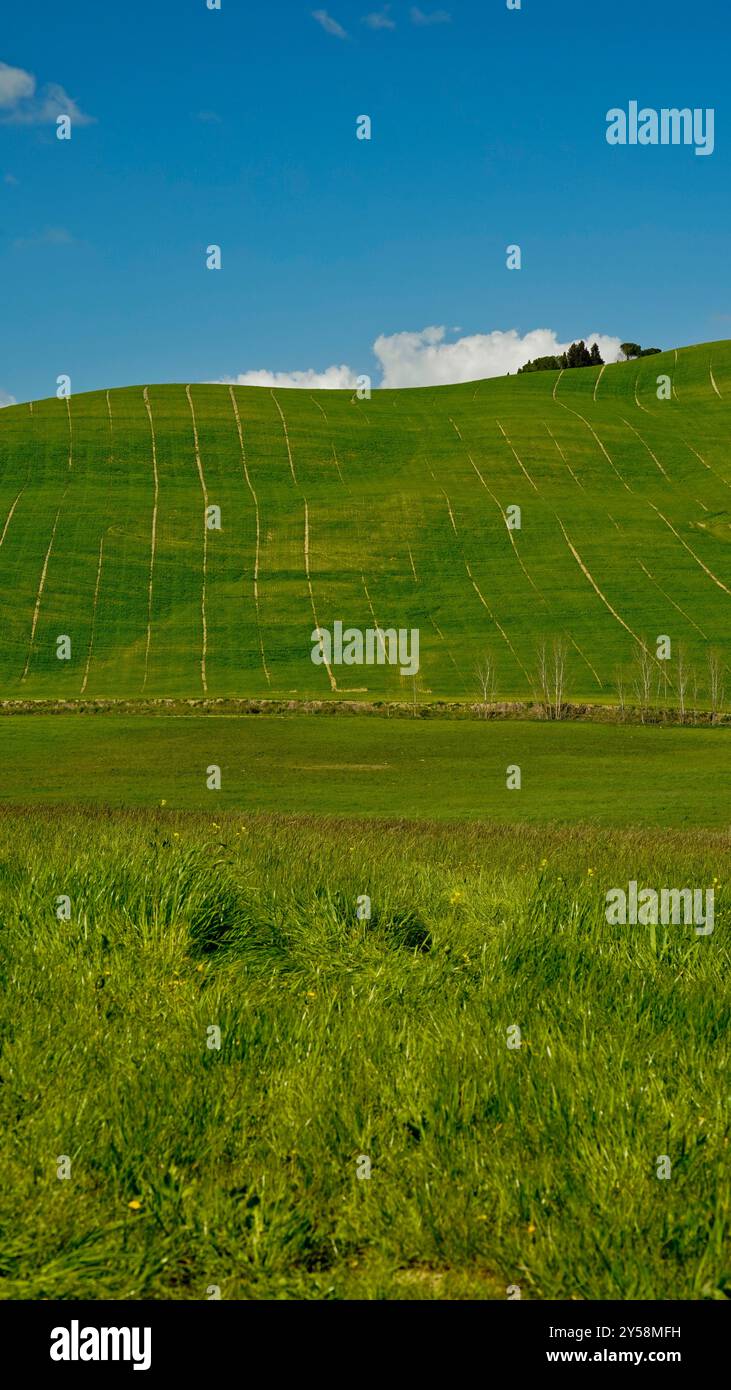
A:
[389, 511]
[613, 775]
[341, 1039]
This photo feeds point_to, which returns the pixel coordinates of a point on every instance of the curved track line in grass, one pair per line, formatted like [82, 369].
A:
[44, 571]
[153, 537]
[199, 465]
[480, 595]
[563, 456]
[556, 383]
[411, 562]
[645, 445]
[638, 402]
[713, 381]
[511, 538]
[93, 616]
[697, 559]
[601, 374]
[319, 407]
[41, 587]
[456, 427]
[595, 586]
[258, 530]
[515, 456]
[328, 668]
[533, 585]
[10, 513]
[705, 465]
[286, 438]
[682, 611]
[71, 434]
[599, 442]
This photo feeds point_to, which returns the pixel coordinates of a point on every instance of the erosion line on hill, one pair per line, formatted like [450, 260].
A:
[255, 500]
[10, 513]
[411, 562]
[556, 383]
[697, 559]
[705, 465]
[286, 438]
[328, 668]
[645, 445]
[319, 407]
[71, 434]
[563, 456]
[511, 537]
[515, 456]
[638, 402]
[479, 593]
[93, 615]
[153, 536]
[41, 587]
[601, 374]
[599, 442]
[595, 586]
[533, 585]
[199, 465]
[713, 381]
[680, 610]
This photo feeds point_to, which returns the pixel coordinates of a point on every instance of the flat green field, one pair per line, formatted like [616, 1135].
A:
[620, 775]
[391, 512]
[215, 1074]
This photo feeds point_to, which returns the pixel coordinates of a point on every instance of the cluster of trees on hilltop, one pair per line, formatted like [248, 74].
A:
[634, 350]
[579, 355]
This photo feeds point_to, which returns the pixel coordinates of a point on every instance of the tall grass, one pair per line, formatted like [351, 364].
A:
[341, 1038]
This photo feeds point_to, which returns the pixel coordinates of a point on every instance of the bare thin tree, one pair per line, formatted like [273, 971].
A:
[558, 672]
[682, 678]
[619, 680]
[715, 682]
[485, 673]
[642, 678]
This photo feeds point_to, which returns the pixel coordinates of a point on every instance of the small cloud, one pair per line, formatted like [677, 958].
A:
[380, 20]
[10, 178]
[5, 399]
[332, 379]
[436, 16]
[22, 104]
[15, 85]
[208, 117]
[329, 24]
[51, 236]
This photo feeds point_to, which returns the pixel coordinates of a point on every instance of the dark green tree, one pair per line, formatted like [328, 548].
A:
[595, 356]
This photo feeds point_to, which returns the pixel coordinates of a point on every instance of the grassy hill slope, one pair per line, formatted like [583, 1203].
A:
[389, 511]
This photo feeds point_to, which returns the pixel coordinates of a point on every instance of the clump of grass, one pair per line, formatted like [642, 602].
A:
[344, 1039]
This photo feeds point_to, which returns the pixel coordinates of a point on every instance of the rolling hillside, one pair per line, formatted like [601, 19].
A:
[387, 512]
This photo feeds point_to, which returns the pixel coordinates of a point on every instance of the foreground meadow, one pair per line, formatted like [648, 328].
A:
[245, 1087]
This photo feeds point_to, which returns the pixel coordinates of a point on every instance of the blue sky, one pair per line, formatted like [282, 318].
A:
[238, 128]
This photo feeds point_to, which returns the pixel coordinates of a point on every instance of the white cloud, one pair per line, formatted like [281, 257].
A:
[15, 85]
[380, 20]
[436, 16]
[332, 379]
[428, 359]
[329, 24]
[22, 104]
[5, 399]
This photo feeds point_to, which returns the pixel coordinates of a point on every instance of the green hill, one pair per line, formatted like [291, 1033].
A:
[388, 512]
